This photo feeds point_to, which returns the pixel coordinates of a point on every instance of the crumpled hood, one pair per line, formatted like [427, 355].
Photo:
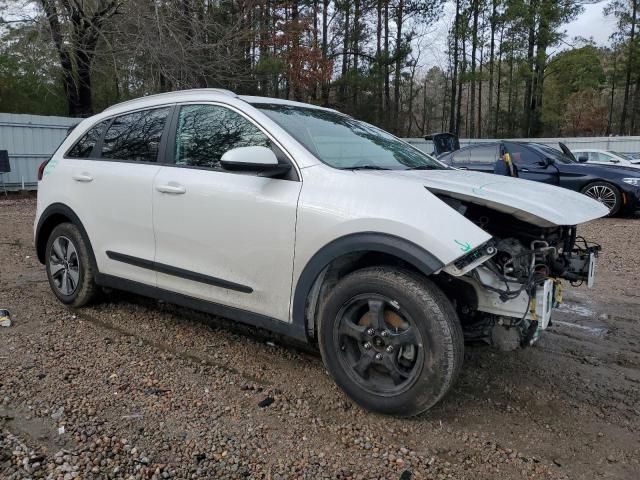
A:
[533, 202]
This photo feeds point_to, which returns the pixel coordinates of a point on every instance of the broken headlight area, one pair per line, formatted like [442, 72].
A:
[505, 290]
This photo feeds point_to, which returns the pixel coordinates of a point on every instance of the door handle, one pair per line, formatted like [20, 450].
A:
[524, 169]
[173, 188]
[82, 177]
[463, 168]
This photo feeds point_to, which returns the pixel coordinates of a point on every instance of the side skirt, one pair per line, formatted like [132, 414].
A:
[255, 319]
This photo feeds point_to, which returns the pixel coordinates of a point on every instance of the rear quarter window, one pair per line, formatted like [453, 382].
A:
[84, 147]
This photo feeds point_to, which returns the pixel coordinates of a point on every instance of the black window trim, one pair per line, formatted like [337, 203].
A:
[96, 152]
[171, 141]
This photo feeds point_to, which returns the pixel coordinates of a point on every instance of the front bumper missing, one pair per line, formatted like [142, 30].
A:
[538, 307]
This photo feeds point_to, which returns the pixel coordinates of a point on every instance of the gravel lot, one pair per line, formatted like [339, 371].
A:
[133, 388]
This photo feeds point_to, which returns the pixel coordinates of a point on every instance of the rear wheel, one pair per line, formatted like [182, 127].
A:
[69, 270]
[391, 340]
[605, 193]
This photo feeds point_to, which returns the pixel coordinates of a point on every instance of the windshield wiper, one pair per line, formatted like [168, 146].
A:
[366, 167]
[423, 167]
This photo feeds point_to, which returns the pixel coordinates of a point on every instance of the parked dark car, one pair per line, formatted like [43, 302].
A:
[616, 187]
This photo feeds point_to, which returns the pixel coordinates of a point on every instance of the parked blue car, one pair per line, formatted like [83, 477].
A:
[616, 187]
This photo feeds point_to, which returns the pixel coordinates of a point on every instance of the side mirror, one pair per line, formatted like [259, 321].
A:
[583, 159]
[254, 159]
[546, 162]
[613, 160]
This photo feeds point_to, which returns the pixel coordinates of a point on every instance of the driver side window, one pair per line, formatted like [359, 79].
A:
[521, 156]
[206, 132]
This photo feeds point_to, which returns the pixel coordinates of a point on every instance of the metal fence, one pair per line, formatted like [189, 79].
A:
[30, 140]
[615, 144]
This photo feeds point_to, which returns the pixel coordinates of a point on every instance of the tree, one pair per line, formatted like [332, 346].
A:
[75, 29]
[626, 11]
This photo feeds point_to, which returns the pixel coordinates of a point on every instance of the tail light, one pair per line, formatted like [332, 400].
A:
[41, 168]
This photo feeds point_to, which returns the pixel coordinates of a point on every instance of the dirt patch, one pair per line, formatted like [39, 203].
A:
[134, 388]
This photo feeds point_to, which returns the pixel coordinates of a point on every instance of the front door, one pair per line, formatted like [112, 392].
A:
[225, 237]
[530, 164]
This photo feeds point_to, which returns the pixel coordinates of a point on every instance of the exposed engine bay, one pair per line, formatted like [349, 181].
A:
[504, 290]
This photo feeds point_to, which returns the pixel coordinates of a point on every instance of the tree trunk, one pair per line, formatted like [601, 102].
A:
[636, 107]
[528, 91]
[297, 32]
[462, 72]
[510, 119]
[613, 93]
[325, 46]
[264, 39]
[410, 113]
[345, 50]
[492, 45]
[538, 86]
[398, 69]
[379, 77]
[480, 89]
[498, 89]
[387, 92]
[68, 80]
[314, 92]
[627, 84]
[356, 48]
[474, 45]
[454, 76]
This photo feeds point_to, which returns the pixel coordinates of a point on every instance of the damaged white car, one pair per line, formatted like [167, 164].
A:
[315, 226]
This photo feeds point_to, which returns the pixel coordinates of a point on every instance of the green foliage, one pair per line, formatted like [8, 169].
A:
[571, 72]
[28, 77]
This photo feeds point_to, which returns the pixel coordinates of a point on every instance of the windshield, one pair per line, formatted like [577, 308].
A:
[343, 142]
[621, 155]
[551, 152]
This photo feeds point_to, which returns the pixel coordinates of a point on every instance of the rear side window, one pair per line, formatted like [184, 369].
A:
[206, 132]
[483, 154]
[460, 157]
[84, 146]
[135, 136]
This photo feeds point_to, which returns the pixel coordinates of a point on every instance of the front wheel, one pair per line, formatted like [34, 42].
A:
[391, 340]
[605, 193]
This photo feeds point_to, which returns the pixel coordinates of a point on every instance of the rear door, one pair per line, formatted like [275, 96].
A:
[481, 158]
[221, 236]
[108, 182]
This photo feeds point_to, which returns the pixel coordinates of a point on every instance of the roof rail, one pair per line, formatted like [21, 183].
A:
[155, 95]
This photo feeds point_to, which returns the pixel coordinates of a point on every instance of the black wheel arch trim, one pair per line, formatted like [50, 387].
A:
[418, 257]
[66, 211]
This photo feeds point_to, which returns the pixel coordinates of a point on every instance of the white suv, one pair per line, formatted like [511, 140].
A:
[311, 224]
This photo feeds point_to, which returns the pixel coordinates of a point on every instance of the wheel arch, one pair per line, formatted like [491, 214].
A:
[54, 215]
[347, 254]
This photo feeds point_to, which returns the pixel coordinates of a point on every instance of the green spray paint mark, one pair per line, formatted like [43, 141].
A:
[465, 247]
[50, 166]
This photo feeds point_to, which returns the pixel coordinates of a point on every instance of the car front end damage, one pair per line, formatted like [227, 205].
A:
[505, 290]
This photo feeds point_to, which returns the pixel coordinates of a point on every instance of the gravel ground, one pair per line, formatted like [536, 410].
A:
[133, 388]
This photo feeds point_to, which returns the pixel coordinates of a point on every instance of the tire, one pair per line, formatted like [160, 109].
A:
[421, 327]
[607, 194]
[69, 270]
